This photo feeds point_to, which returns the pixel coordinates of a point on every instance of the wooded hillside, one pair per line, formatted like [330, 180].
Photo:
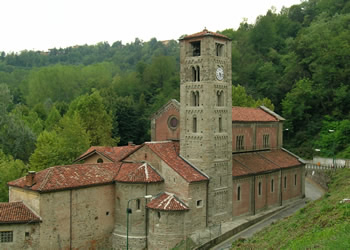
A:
[55, 104]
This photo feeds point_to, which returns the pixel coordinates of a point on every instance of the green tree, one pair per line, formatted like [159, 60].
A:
[94, 117]
[10, 169]
[61, 145]
[242, 99]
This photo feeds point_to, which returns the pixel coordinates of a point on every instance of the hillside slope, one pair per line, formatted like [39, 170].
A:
[324, 223]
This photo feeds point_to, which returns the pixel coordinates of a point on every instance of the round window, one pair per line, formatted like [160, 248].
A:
[173, 122]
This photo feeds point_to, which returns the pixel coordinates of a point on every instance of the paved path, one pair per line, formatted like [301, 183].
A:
[312, 192]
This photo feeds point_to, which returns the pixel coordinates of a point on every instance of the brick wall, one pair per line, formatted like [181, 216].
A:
[162, 130]
[243, 205]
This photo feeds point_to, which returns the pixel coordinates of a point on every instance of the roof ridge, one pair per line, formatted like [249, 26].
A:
[46, 178]
[268, 160]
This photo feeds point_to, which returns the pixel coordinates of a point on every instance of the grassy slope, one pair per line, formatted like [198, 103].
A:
[324, 223]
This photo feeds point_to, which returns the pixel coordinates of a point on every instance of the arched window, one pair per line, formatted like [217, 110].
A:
[197, 98]
[99, 160]
[272, 187]
[239, 193]
[220, 98]
[259, 187]
[194, 74]
[194, 125]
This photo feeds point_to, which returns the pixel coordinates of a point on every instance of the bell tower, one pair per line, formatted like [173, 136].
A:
[206, 115]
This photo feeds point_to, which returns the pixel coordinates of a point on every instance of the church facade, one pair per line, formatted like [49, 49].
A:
[207, 163]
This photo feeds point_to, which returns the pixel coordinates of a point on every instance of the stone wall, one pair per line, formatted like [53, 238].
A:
[30, 198]
[25, 236]
[137, 219]
[93, 159]
[166, 228]
[80, 218]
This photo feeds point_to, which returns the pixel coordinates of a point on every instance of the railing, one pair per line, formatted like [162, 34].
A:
[324, 167]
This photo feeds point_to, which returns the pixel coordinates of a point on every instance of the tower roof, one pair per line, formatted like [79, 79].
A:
[204, 33]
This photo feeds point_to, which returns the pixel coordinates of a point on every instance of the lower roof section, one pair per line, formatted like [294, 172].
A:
[16, 213]
[262, 161]
[167, 202]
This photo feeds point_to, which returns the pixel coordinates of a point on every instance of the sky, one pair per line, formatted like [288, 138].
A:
[45, 24]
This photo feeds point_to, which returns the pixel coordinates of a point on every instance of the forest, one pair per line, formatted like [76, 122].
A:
[55, 104]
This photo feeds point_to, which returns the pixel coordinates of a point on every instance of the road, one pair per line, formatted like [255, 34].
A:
[312, 192]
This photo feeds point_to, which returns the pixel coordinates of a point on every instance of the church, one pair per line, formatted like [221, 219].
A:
[207, 163]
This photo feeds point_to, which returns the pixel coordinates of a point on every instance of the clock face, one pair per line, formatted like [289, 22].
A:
[219, 74]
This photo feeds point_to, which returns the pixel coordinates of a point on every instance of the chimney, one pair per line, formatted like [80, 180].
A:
[130, 143]
[30, 178]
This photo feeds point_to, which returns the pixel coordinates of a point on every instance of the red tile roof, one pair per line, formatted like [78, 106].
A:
[16, 212]
[115, 154]
[262, 161]
[205, 32]
[244, 114]
[138, 173]
[71, 176]
[167, 202]
[169, 153]
[281, 158]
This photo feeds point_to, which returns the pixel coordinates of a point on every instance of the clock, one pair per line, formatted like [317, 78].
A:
[219, 73]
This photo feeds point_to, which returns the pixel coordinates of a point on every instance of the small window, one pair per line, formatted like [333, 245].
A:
[266, 141]
[219, 49]
[285, 181]
[194, 125]
[295, 180]
[196, 48]
[259, 187]
[99, 160]
[138, 204]
[107, 213]
[6, 236]
[239, 193]
[199, 203]
[196, 103]
[272, 186]
[220, 98]
[27, 234]
[194, 99]
[240, 142]
[158, 215]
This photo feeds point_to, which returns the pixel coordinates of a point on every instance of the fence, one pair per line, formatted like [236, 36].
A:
[319, 163]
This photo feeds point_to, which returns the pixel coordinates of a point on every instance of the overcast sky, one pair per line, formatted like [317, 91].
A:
[44, 24]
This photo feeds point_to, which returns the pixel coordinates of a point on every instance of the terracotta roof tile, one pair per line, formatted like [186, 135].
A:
[205, 32]
[262, 161]
[71, 176]
[138, 173]
[244, 114]
[16, 212]
[113, 153]
[281, 158]
[167, 202]
[169, 153]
